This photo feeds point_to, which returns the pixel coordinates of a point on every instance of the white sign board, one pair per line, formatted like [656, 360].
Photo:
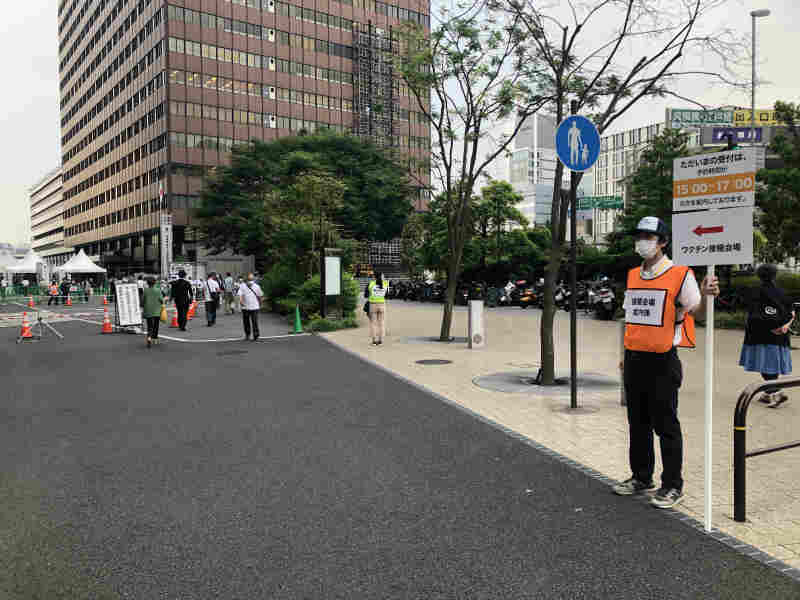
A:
[174, 268]
[713, 237]
[166, 243]
[128, 310]
[333, 275]
[720, 180]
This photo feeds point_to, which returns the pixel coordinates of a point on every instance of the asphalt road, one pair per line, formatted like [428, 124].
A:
[288, 469]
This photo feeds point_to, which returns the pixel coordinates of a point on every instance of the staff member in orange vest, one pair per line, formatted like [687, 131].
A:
[661, 302]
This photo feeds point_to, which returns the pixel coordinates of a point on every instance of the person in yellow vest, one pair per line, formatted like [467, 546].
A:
[376, 294]
[53, 294]
[660, 304]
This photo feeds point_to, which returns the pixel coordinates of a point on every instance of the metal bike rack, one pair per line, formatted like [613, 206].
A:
[740, 453]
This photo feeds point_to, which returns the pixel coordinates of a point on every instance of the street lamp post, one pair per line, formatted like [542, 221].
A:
[764, 12]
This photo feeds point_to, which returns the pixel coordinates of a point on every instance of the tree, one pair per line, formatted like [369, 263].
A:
[494, 211]
[412, 241]
[778, 199]
[464, 78]
[244, 204]
[585, 70]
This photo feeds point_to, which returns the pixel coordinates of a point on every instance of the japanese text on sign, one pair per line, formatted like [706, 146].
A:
[719, 180]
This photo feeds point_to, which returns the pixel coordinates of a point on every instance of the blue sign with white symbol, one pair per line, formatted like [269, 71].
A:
[577, 143]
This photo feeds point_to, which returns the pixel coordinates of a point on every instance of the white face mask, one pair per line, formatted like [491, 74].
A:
[646, 248]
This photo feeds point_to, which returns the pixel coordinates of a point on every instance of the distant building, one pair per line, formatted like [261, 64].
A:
[533, 166]
[47, 220]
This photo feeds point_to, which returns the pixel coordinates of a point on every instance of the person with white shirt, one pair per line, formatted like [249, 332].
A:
[660, 304]
[250, 296]
[211, 297]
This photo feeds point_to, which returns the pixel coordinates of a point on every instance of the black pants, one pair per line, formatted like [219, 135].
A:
[152, 327]
[651, 391]
[250, 317]
[211, 311]
[52, 299]
[183, 309]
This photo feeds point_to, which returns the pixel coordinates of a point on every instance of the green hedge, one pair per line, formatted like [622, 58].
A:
[323, 325]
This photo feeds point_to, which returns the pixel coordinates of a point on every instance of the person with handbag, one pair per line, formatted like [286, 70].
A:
[376, 301]
[181, 293]
[152, 306]
[211, 297]
[766, 338]
[250, 296]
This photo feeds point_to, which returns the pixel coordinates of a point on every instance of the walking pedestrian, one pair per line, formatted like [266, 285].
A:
[180, 292]
[53, 293]
[250, 296]
[151, 309]
[660, 304]
[227, 289]
[766, 338]
[376, 293]
[211, 297]
[65, 285]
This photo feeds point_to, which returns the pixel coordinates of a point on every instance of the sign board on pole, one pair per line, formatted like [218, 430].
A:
[128, 310]
[333, 276]
[166, 243]
[718, 180]
[577, 143]
[679, 118]
[719, 135]
[713, 237]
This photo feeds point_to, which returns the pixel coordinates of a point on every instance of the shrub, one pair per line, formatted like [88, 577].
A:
[279, 282]
[308, 296]
[323, 325]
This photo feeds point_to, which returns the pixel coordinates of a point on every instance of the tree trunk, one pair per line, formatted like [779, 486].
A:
[449, 298]
[548, 355]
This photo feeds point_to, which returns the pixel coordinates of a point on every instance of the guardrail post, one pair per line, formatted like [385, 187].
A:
[739, 473]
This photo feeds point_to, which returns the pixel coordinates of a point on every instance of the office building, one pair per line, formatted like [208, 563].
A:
[154, 94]
[533, 166]
[47, 220]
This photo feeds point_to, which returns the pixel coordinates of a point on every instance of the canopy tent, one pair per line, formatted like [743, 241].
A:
[27, 265]
[80, 263]
[6, 260]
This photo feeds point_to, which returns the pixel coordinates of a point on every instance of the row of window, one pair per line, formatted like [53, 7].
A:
[125, 133]
[105, 50]
[154, 145]
[116, 10]
[254, 30]
[268, 120]
[125, 107]
[373, 6]
[115, 191]
[148, 60]
[117, 216]
[114, 65]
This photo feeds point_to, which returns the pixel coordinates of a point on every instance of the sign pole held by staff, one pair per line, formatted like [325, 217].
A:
[712, 224]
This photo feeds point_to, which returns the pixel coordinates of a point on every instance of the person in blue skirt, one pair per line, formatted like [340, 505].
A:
[766, 339]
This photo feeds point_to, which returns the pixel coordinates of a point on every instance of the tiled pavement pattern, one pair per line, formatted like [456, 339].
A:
[596, 436]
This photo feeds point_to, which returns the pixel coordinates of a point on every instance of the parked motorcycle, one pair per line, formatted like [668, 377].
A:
[529, 297]
[606, 305]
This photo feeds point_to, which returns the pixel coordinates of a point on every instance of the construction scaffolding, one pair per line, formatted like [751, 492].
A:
[374, 105]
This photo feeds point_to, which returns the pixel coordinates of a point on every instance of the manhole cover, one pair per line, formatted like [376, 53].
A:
[231, 352]
[434, 361]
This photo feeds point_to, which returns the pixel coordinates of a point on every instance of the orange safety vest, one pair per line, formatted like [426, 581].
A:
[54, 290]
[651, 311]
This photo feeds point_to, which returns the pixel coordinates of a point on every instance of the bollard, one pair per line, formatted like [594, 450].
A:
[477, 335]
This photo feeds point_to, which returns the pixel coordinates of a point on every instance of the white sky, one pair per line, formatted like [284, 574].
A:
[30, 112]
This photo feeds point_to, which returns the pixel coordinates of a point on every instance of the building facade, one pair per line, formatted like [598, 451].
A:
[155, 93]
[47, 220]
[533, 166]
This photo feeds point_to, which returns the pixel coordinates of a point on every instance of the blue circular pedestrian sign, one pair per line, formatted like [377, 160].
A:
[577, 143]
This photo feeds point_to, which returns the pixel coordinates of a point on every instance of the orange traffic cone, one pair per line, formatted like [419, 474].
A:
[69, 301]
[190, 314]
[106, 323]
[30, 302]
[174, 323]
[25, 332]
[105, 300]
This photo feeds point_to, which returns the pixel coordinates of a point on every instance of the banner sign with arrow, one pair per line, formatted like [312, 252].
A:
[714, 237]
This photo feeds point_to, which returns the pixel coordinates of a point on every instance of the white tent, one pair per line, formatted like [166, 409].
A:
[27, 265]
[80, 263]
[6, 260]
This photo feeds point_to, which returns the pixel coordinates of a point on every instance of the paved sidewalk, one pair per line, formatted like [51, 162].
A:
[596, 435]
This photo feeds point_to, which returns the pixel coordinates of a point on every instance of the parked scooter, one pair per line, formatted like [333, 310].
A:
[529, 297]
[606, 305]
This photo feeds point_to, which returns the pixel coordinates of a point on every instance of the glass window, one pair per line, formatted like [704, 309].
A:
[209, 51]
[225, 114]
[210, 82]
[225, 85]
[177, 77]
[209, 112]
